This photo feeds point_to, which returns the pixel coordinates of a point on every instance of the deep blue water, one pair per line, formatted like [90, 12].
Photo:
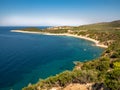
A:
[25, 58]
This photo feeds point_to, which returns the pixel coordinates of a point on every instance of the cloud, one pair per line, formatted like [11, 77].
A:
[39, 21]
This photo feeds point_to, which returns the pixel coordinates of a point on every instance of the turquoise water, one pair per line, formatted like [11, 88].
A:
[25, 58]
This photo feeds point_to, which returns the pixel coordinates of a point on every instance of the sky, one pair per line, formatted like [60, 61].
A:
[57, 12]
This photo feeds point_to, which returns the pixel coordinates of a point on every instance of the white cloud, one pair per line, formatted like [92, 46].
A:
[39, 21]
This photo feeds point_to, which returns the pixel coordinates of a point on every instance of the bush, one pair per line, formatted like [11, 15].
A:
[65, 78]
[104, 59]
[116, 65]
[115, 55]
[112, 80]
[103, 66]
[107, 51]
[89, 65]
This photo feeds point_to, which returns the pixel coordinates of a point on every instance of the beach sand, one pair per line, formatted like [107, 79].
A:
[97, 43]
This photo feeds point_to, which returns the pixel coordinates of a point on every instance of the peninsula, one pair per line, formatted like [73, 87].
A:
[65, 34]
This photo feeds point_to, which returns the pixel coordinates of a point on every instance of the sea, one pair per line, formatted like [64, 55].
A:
[27, 58]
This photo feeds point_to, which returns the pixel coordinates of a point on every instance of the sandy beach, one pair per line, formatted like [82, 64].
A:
[64, 34]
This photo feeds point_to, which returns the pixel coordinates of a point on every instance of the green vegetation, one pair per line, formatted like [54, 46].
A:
[112, 79]
[116, 65]
[104, 70]
[32, 29]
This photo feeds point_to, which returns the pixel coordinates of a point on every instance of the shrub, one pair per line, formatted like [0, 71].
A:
[115, 55]
[116, 65]
[89, 65]
[103, 66]
[107, 51]
[112, 80]
[104, 59]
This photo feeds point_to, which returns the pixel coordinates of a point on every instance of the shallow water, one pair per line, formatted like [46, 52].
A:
[25, 58]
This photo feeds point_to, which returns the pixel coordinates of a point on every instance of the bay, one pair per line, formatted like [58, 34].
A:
[25, 58]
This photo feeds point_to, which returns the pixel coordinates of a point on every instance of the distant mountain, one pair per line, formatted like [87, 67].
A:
[115, 23]
[101, 26]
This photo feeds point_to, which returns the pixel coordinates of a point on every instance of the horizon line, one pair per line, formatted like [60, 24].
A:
[55, 25]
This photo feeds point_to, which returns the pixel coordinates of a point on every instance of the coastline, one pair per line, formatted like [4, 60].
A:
[64, 34]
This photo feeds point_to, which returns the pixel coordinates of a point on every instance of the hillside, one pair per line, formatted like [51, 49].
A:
[103, 73]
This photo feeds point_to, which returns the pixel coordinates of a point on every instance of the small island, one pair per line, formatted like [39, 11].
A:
[102, 73]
